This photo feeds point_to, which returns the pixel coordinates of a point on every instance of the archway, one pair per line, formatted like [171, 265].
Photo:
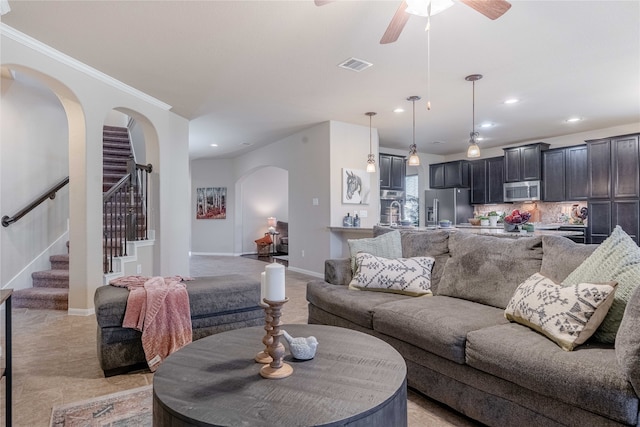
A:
[261, 193]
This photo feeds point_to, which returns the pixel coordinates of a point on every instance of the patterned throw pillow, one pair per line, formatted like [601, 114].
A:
[387, 245]
[568, 315]
[616, 259]
[407, 276]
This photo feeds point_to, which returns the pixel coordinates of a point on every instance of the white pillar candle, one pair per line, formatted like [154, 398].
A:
[263, 286]
[274, 282]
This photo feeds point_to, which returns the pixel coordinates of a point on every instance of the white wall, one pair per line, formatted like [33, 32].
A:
[212, 236]
[87, 98]
[33, 157]
[116, 118]
[264, 193]
[136, 133]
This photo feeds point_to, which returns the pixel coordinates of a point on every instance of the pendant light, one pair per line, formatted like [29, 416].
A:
[414, 160]
[371, 160]
[473, 150]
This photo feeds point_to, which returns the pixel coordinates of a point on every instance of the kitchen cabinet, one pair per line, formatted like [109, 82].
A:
[486, 178]
[577, 174]
[564, 174]
[614, 186]
[524, 163]
[449, 175]
[553, 168]
[392, 172]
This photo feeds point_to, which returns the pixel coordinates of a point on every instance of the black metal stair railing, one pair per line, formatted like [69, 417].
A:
[49, 194]
[125, 213]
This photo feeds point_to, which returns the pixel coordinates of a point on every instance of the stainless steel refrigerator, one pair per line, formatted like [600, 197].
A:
[453, 204]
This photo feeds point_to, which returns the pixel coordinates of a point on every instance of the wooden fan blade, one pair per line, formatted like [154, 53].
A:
[322, 2]
[492, 9]
[396, 25]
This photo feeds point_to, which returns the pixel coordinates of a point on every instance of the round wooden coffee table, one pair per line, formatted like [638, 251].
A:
[354, 379]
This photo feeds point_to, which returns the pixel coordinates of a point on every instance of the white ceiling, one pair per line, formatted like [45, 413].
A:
[253, 72]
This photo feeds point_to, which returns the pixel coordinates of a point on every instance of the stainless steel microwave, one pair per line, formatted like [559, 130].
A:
[522, 191]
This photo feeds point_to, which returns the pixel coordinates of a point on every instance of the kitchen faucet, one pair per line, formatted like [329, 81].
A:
[399, 212]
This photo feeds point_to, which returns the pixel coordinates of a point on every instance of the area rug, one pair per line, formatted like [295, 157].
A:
[129, 408]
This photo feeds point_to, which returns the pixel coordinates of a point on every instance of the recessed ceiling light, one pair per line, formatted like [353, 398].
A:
[511, 101]
[438, 142]
[573, 119]
[399, 110]
[248, 144]
[214, 145]
[486, 125]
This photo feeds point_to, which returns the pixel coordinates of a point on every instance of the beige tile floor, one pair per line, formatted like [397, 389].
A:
[55, 358]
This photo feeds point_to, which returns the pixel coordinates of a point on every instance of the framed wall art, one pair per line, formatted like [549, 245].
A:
[211, 203]
[355, 186]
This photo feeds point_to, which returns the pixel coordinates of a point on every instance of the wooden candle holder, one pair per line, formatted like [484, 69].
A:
[277, 368]
[263, 356]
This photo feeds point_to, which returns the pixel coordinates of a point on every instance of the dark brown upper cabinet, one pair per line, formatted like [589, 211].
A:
[614, 167]
[524, 163]
[486, 179]
[392, 172]
[564, 174]
[449, 175]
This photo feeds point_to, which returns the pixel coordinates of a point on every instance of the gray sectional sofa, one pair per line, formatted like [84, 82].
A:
[461, 350]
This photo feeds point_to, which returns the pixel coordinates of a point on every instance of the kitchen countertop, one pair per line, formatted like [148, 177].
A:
[498, 231]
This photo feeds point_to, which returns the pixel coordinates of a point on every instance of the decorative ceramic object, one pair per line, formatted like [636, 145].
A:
[301, 348]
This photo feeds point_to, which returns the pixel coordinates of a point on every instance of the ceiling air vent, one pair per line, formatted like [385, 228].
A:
[355, 64]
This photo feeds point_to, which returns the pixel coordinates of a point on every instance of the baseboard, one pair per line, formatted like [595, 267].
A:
[307, 272]
[81, 311]
[214, 254]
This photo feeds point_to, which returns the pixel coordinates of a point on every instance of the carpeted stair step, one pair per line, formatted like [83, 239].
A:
[116, 153]
[50, 279]
[42, 298]
[59, 262]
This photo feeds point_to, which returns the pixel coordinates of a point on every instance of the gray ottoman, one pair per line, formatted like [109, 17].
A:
[217, 303]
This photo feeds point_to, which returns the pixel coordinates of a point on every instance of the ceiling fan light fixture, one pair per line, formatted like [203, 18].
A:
[414, 159]
[371, 158]
[421, 7]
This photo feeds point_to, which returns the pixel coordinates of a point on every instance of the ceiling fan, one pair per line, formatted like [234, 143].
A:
[492, 9]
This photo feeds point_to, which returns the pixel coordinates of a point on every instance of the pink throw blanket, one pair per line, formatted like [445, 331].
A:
[159, 308]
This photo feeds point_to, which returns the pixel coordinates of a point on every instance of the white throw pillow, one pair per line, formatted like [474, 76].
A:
[408, 276]
[568, 315]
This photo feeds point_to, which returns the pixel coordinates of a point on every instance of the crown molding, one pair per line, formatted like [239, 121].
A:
[40, 47]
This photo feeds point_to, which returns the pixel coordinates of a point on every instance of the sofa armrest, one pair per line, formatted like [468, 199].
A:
[628, 341]
[337, 271]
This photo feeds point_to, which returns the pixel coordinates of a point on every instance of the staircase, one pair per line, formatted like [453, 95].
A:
[51, 287]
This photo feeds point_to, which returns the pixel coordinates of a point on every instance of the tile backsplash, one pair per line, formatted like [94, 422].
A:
[545, 212]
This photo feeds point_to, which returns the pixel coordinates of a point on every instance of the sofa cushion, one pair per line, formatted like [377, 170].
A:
[560, 256]
[407, 276]
[568, 315]
[616, 259]
[427, 243]
[588, 377]
[436, 324]
[208, 296]
[353, 305]
[628, 341]
[386, 245]
[488, 269]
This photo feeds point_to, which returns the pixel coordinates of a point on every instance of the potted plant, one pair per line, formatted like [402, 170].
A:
[484, 221]
[493, 218]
